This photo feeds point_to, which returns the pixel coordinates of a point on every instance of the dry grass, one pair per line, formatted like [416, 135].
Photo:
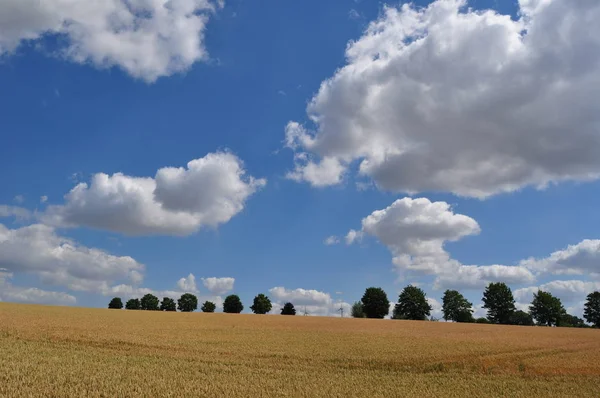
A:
[81, 352]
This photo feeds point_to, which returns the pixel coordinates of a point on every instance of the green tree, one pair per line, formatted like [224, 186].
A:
[500, 303]
[546, 309]
[149, 302]
[571, 321]
[375, 303]
[168, 304]
[133, 304]
[233, 304]
[482, 320]
[261, 304]
[187, 303]
[208, 306]
[591, 311]
[288, 309]
[456, 307]
[412, 304]
[357, 310]
[521, 318]
[115, 304]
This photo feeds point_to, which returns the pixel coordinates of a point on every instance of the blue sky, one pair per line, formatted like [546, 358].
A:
[306, 118]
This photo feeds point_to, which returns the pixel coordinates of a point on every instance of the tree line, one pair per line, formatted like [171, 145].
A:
[498, 300]
[189, 303]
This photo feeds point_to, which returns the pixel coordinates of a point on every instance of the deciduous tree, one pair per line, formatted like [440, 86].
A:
[521, 318]
[233, 304]
[133, 304]
[208, 306]
[456, 307]
[261, 305]
[571, 321]
[546, 309]
[375, 303]
[168, 304]
[149, 302]
[500, 303]
[357, 310]
[187, 303]
[115, 304]
[412, 304]
[288, 309]
[591, 311]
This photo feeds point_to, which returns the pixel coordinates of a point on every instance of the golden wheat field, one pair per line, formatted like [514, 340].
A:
[83, 352]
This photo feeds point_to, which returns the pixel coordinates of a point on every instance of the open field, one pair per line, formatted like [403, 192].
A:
[77, 352]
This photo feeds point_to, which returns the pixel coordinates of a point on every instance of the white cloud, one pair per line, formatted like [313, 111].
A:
[14, 211]
[188, 284]
[19, 199]
[146, 38]
[178, 201]
[331, 240]
[479, 311]
[218, 286]
[436, 308]
[43, 199]
[580, 259]
[567, 290]
[415, 231]
[38, 250]
[447, 98]
[313, 302]
[9, 292]
[328, 171]
[473, 277]
[353, 236]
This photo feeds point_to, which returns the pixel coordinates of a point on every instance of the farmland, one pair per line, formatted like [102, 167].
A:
[75, 352]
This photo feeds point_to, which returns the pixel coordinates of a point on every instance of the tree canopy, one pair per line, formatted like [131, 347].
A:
[187, 303]
[357, 310]
[115, 304]
[375, 303]
[133, 304]
[546, 309]
[288, 309]
[208, 306]
[149, 302]
[261, 305]
[168, 304]
[521, 318]
[571, 321]
[412, 304]
[456, 307]
[233, 304]
[591, 310]
[500, 303]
